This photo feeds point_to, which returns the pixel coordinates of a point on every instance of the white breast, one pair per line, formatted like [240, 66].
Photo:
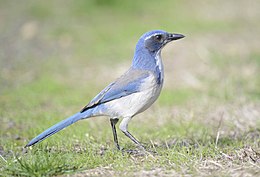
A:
[135, 103]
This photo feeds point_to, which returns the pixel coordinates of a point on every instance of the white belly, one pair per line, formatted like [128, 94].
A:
[135, 103]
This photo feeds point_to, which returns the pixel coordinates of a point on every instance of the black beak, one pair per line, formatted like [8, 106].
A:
[172, 37]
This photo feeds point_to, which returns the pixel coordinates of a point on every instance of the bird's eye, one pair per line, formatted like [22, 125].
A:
[158, 38]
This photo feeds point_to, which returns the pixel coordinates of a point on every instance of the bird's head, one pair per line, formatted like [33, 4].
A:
[149, 47]
[155, 40]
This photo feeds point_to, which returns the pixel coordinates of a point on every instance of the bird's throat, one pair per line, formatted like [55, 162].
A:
[159, 68]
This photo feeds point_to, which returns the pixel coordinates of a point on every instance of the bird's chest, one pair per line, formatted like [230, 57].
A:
[135, 103]
[150, 95]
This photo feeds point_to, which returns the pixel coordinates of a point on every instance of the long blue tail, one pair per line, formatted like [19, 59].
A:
[57, 127]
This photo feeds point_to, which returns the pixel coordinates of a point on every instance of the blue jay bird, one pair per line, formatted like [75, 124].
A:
[130, 94]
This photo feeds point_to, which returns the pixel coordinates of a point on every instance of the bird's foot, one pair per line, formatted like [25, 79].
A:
[140, 151]
[135, 152]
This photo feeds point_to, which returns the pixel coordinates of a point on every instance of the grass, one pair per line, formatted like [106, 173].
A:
[57, 56]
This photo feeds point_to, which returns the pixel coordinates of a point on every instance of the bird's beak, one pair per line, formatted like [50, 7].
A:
[172, 37]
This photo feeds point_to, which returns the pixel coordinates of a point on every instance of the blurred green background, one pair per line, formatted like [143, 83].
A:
[57, 55]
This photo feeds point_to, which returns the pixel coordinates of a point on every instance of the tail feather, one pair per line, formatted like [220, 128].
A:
[56, 128]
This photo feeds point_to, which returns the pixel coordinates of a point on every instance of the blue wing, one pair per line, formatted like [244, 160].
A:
[127, 84]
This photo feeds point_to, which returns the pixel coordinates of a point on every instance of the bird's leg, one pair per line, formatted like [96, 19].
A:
[129, 135]
[124, 128]
[113, 125]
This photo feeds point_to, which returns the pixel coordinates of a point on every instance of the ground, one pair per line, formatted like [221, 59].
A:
[56, 56]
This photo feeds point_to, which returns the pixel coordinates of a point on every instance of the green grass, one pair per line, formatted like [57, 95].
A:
[58, 55]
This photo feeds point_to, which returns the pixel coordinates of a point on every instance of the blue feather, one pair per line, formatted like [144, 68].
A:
[59, 126]
[127, 84]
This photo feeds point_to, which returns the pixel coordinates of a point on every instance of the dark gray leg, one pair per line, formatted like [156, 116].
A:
[113, 125]
[124, 126]
[132, 138]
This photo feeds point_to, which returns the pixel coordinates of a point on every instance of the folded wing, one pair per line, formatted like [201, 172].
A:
[127, 84]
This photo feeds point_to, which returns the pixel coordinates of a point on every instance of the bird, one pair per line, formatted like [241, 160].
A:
[132, 93]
